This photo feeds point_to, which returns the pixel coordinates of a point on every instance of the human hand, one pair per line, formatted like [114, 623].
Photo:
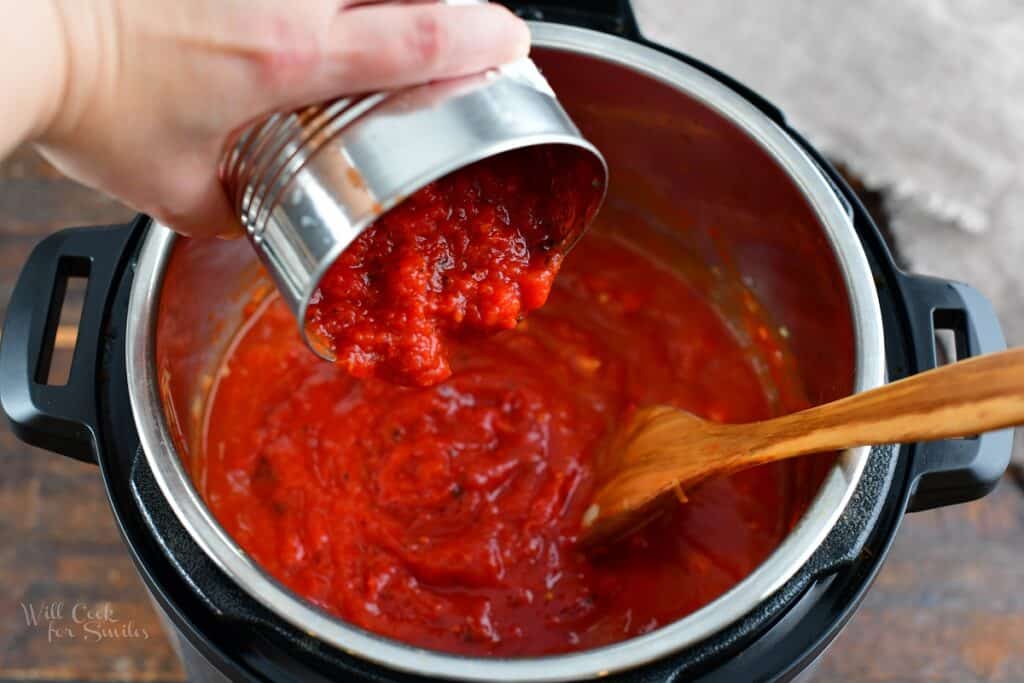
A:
[152, 90]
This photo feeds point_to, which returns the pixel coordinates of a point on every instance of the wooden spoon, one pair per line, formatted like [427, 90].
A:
[664, 450]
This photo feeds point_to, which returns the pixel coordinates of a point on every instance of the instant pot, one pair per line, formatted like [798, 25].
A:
[694, 156]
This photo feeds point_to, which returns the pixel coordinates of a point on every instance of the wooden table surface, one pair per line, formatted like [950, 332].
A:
[948, 605]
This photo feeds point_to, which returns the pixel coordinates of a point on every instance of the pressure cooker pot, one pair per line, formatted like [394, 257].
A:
[703, 173]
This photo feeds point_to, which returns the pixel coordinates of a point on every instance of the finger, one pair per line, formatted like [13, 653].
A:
[201, 209]
[386, 46]
[363, 3]
[211, 216]
[379, 47]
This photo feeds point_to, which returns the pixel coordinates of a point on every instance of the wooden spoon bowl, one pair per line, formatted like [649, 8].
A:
[664, 450]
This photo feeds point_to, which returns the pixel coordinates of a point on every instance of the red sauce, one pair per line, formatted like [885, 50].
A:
[468, 255]
[447, 516]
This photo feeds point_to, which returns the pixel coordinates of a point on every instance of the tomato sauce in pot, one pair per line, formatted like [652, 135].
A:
[447, 516]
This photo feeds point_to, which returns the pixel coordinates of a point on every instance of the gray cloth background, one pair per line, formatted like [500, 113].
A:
[923, 99]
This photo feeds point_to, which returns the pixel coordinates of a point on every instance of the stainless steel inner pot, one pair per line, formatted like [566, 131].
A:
[690, 160]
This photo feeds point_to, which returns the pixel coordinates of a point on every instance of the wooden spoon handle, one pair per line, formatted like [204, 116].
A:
[960, 399]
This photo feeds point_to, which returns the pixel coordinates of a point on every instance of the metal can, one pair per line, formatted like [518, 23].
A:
[306, 183]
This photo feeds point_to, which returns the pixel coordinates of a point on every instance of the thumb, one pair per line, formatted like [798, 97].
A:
[380, 47]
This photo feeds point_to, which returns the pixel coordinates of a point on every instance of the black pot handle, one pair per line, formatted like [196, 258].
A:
[58, 418]
[955, 470]
[610, 16]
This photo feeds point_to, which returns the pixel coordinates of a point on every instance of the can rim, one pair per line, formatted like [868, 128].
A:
[413, 185]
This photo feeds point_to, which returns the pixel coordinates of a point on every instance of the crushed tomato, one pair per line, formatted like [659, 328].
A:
[468, 255]
[447, 516]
